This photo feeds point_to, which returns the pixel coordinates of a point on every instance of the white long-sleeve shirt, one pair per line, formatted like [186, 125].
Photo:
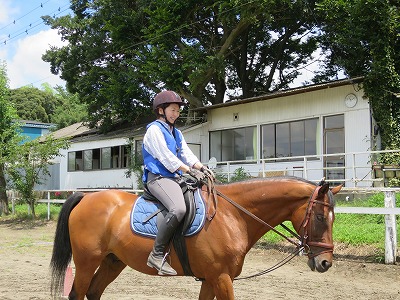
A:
[154, 143]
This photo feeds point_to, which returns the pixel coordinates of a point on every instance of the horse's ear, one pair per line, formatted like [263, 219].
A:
[324, 189]
[336, 189]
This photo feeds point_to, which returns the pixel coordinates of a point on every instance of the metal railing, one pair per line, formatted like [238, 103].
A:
[357, 169]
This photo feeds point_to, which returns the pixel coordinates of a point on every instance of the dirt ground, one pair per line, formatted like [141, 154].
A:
[25, 253]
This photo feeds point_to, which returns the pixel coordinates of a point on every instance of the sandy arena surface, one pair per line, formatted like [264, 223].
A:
[25, 252]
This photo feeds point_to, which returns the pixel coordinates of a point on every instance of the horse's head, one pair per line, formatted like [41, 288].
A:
[314, 223]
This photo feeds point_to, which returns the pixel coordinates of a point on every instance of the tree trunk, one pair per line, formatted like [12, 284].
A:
[3, 193]
[31, 204]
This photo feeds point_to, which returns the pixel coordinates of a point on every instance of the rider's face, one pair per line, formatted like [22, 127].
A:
[172, 112]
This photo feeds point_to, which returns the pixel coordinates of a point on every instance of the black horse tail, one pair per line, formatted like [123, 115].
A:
[62, 252]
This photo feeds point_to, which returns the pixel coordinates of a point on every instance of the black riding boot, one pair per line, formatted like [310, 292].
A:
[157, 259]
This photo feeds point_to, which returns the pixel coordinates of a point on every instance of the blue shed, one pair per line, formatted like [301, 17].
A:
[34, 129]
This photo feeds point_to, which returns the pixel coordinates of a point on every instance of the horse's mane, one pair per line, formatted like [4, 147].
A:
[275, 178]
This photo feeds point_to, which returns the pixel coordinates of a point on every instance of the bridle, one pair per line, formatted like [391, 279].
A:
[306, 225]
[303, 243]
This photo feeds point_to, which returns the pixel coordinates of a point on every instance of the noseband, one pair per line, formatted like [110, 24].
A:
[306, 226]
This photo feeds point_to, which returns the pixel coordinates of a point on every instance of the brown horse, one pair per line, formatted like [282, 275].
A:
[95, 230]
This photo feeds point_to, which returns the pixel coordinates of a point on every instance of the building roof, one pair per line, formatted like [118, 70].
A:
[95, 135]
[78, 132]
[73, 130]
[35, 124]
[285, 93]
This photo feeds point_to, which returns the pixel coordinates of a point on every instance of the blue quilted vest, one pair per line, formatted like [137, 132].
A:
[174, 143]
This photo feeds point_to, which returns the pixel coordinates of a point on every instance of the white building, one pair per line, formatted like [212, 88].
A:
[312, 131]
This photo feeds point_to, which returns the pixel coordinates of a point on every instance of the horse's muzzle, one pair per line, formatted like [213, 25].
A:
[321, 265]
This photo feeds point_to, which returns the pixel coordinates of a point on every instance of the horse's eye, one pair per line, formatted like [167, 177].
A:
[320, 218]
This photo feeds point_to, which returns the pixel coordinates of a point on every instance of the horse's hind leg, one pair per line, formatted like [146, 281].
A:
[109, 269]
[84, 270]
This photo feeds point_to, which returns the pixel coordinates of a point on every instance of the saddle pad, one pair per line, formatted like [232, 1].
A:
[144, 208]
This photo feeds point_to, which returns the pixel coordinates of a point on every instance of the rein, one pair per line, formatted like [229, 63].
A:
[302, 242]
[260, 220]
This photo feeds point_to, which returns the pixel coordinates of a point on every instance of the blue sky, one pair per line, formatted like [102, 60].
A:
[24, 38]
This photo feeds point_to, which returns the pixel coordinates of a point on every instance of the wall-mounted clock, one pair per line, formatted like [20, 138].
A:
[350, 100]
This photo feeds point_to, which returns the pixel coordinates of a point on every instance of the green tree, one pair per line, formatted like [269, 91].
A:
[9, 137]
[122, 52]
[70, 110]
[34, 104]
[29, 165]
[48, 105]
[362, 37]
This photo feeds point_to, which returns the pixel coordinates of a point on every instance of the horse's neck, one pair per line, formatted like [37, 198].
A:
[272, 201]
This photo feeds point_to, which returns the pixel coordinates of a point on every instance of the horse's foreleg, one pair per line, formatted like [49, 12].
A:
[223, 288]
[109, 269]
[206, 291]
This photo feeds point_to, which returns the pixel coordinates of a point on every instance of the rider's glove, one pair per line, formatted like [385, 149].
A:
[208, 172]
[196, 174]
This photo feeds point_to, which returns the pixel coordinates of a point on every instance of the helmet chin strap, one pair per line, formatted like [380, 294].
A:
[166, 120]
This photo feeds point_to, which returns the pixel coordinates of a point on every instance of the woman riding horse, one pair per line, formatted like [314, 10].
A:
[166, 155]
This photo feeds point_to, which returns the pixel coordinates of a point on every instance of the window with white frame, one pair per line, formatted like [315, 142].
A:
[115, 157]
[234, 144]
[287, 139]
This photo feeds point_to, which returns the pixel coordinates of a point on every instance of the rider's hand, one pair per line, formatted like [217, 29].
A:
[196, 174]
[208, 172]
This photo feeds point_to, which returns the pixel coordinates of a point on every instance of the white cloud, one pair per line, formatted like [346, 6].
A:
[6, 12]
[26, 66]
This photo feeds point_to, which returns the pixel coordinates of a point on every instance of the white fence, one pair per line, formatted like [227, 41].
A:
[390, 211]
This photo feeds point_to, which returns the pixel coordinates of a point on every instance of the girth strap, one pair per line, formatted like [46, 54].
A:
[178, 240]
[179, 243]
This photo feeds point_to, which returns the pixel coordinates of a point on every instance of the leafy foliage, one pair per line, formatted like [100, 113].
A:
[70, 110]
[122, 52]
[29, 165]
[33, 104]
[8, 135]
[363, 38]
[239, 175]
[48, 105]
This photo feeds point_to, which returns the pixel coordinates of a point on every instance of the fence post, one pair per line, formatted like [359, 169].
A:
[353, 167]
[390, 231]
[48, 205]
[13, 202]
[305, 175]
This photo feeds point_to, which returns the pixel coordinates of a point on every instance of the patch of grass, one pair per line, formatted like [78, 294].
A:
[355, 229]
[22, 212]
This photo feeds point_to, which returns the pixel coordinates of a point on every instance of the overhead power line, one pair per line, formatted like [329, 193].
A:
[29, 12]
[28, 29]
